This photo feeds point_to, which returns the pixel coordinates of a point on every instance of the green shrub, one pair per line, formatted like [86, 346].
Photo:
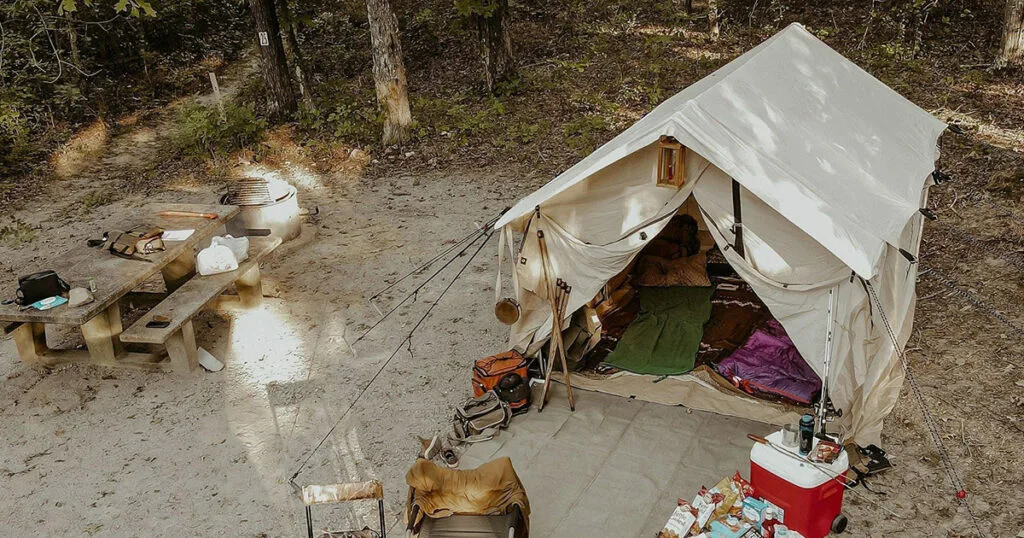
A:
[16, 144]
[204, 130]
[585, 133]
[524, 132]
[347, 116]
[17, 233]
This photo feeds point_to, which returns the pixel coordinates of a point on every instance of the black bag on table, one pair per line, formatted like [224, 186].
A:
[38, 286]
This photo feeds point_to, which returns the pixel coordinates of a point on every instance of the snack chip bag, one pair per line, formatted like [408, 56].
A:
[704, 505]
[745, 489]
[680, 522]
[727, 496]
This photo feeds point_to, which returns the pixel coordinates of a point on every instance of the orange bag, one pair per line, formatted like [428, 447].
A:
[489, 371]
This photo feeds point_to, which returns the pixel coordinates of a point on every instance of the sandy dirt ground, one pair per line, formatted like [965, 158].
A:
[124, 453]
[98, 452]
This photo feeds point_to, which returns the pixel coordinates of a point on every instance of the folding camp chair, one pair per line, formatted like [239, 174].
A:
[486, 502]
[511, 525]
[340, 493]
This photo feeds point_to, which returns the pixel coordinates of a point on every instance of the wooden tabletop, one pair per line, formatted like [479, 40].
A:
[116, 276]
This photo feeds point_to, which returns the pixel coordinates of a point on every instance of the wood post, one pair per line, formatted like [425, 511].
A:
[100, 334]
[179, 270]
[30, 338]
[250, 288]
[182, 349]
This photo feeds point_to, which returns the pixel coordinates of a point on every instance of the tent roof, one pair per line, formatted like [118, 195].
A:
[834, 150]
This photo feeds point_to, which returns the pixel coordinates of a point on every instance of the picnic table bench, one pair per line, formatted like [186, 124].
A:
[100, 321]
[191, 297]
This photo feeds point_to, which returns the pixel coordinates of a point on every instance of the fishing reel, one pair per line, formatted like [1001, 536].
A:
[829, 415]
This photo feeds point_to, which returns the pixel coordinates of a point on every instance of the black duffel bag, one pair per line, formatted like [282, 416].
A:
[41, 285]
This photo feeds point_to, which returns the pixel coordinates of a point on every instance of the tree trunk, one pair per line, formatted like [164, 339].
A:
[294, 53]
[389, 72]
[76, 57]
[495, 43]
[689, 7]
[713, 19]
[1011, 50]
[918, 22]
[280, 96]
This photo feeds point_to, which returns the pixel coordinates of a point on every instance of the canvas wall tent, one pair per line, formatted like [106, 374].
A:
[832, 168]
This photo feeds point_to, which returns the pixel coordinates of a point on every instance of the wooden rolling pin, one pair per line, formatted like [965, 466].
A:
[211, 216]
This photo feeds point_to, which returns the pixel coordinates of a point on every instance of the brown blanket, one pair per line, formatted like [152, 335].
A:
[656, 272]
[436, 492]
[735, 311]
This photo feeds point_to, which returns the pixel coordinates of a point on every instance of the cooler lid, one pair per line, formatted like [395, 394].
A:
[804, 474]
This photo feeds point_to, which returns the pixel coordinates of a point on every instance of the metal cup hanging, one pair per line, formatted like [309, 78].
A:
[507, 311]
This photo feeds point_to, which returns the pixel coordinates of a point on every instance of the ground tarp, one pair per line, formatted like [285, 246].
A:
[615, 467]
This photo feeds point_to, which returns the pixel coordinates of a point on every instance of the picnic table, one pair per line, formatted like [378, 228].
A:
[115, 277]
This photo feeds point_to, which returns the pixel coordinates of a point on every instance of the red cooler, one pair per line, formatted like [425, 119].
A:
[810, 498]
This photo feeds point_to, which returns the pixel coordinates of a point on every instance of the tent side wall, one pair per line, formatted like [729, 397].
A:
[895, 288]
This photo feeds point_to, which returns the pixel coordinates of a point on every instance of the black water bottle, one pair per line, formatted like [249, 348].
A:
[806, 434]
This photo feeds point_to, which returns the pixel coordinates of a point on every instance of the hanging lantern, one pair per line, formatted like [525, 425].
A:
[671, 163]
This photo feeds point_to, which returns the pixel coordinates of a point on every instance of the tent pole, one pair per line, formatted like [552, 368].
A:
[823, 402]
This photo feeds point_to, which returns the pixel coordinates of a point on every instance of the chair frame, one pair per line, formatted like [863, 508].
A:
[375, 492]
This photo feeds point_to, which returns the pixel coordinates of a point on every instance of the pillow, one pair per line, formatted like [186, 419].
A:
[653, 271]
[663, 248]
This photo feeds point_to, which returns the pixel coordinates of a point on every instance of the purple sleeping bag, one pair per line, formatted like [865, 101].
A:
[768, 363]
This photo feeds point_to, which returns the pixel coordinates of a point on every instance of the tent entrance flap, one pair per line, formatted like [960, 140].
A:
[679, 304]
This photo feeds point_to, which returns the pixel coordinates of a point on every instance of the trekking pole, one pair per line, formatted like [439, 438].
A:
[565, 367]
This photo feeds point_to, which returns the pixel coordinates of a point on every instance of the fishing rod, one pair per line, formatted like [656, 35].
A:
[475, 234]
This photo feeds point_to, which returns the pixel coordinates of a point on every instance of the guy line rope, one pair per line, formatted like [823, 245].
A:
[484, 232]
